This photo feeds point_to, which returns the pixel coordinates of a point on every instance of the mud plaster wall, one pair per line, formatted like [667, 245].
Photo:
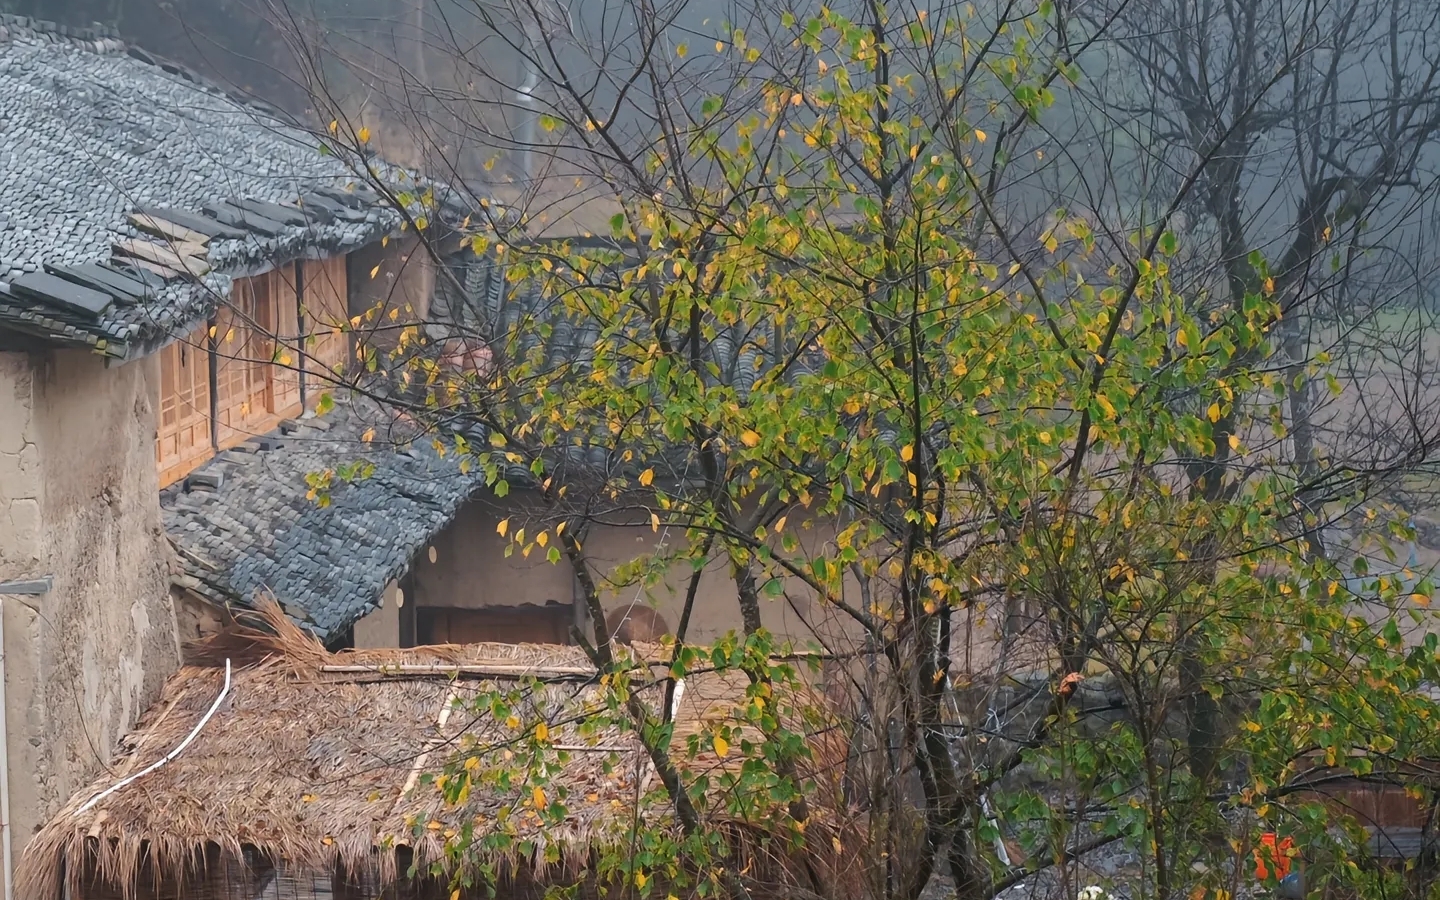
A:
[403, 282]
[381, 628]
[79, 502]
[471, 570]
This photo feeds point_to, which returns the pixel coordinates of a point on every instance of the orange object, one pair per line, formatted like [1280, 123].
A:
[1273, 855]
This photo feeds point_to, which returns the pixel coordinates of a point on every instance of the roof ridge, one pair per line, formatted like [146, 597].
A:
[97, 38]
[105, 40]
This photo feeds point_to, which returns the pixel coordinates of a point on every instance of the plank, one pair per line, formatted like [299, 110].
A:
[334, 208]
[341, 196]
[123, 267]
[180, 258]
[170, 231]
[239, 218]
[45, 288]
[125, 291]
[289, 215]
[195, 222]
[164, 272]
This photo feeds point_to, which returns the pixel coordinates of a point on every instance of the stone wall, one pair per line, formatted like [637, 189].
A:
[78, 502]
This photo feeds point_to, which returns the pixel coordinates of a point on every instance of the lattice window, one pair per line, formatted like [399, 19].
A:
[183, 436]
[244, 352]
[285, 372]
[326, 315]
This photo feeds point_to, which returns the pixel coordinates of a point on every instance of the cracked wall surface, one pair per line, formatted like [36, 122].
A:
[79, 502]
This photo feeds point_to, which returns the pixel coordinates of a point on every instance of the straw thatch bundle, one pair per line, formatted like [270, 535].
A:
[317, 764]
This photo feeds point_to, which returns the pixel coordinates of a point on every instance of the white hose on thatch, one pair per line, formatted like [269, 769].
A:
[167, 757]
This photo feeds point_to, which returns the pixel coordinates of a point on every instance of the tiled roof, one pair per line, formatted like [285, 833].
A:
[91, 130]
[328, 566]
[521, 324]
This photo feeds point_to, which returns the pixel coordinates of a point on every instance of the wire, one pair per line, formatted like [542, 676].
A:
[167, 757]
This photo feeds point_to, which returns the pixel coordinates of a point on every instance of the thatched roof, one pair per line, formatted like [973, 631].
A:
[317, 762]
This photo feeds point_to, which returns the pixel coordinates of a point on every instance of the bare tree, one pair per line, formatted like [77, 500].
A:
[1015, 325]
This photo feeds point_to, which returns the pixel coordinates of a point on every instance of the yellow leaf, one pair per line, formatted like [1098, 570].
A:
[654, 522]
[542, 732]
[503, 527]
[1252, 726]
[373, 272]
[538, 798]
[363, 134]
[907, 453]
[1044, 437]
[749, 438]
[368, 436]
[455, 894]
[472, 764]
[1234, 442]
[513, 722]
[681, 50]
[640, 879]
[1106, 405]
[385, 241]
[852, 406]
[334, 126]
[1269, 285]
[722, 746]
[980, 135]
[1420, 599]
[780, 524]
[327, 840]
[309, 798]
[542, 538]
[1213, 413]
[647, 476]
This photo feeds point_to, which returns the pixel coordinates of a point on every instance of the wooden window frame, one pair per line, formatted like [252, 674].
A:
[230, 375]
[185, 393]
[326, 313]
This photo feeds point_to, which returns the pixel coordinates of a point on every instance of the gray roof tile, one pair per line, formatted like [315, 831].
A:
[90, 132]
[328, 566]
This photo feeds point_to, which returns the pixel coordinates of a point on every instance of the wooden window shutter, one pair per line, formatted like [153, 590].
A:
[232, 382]
[183, 435]
[284, 373]
[326, 315]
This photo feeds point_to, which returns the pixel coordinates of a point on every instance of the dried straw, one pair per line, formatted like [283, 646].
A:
[315, 763]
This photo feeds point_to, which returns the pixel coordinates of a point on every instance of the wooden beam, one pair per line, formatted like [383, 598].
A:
[182, 258]
[163, 228]
[403, 669]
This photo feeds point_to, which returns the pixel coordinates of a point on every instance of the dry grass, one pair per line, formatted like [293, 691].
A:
[319, 771]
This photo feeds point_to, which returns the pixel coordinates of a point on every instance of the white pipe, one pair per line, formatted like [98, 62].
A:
[5, 828]
[167, 757]
[525, 94]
